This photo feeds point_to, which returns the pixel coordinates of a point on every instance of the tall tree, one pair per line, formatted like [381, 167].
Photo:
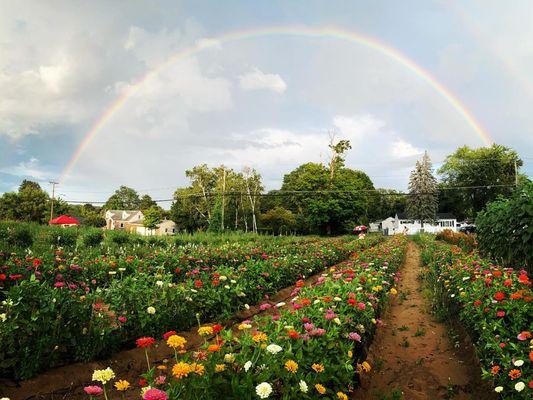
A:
[422, 203]
[146, 202]
[489, 172]
[386, 203]
[253, 186]
[124, 198]
[152, 217]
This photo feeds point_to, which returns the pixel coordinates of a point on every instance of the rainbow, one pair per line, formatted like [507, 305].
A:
[302, 31]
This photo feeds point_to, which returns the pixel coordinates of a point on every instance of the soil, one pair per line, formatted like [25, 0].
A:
[412, 353]
[67, 382]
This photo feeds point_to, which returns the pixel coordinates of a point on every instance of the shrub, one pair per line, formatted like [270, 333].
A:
[463, 240]
[92, 237]
[57, 236]
[16, 235]
[118, 237]
[505, 228]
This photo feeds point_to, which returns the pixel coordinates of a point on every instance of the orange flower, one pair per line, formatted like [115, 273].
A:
[318, 367]
[293, 334]
[514, 374]
[260, 337]
[213, 348]
[291, 366]
[531, 355]
[495, 369]
[320, 389]
[145, 342]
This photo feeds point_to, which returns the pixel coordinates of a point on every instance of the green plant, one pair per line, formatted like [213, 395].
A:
[92, 237]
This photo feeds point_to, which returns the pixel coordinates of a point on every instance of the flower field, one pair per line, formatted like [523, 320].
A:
[495, 306]
[311, 346]
[79, 304]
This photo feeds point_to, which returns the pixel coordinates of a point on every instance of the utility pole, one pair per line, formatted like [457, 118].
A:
[53, 183]
[223, 195]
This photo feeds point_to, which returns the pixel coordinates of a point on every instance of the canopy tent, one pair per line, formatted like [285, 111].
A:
[64, 220]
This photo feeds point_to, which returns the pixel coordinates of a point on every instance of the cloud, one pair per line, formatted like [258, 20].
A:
[402, 149]
[357, 127]
[27, 169]
[257, 80]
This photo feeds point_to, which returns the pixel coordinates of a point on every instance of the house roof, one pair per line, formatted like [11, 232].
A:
[439, 216]
[64, 220]
[117, 214]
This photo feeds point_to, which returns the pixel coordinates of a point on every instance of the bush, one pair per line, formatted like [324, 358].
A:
[92, 237]
[118, 237]
[57, 236]
[505, 229]
[463, 240]
[16, 235]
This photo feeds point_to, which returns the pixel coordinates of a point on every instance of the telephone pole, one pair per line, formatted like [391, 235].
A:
[53, 183]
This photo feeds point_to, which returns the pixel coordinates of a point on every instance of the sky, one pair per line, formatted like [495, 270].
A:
[123, 73]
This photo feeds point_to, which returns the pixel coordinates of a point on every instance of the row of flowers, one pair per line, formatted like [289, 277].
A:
[308, 347]
[495, 305]
[43, 325]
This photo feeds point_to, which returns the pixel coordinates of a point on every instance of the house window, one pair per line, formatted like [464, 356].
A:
[173, 230]
[166, 230]
[122, 224]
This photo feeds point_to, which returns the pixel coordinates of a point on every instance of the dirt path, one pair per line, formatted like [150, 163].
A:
[413, 354]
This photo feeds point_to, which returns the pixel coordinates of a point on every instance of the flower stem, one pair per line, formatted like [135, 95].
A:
[147, 359]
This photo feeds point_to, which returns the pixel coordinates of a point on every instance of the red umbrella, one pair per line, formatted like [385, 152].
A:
[64, 220]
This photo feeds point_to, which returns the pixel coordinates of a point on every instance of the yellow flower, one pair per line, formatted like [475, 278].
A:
[242, 327]
[176, 342]
[318, 367]
[364, 367]
[122, 385]
[220, 367]
[162, 367]
[103, 375]
[205, 331]
[181, 369]
[393, 291]
[342, 396]
[320, 389]
[291, 366]
[260, 337]
[350, 354]
[198, 369]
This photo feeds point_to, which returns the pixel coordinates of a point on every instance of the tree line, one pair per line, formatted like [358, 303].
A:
[321, 198]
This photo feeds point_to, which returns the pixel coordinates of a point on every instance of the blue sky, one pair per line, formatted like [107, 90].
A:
[265, 102]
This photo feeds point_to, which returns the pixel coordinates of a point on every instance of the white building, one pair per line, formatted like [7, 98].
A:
[401, 223]
[132, 221]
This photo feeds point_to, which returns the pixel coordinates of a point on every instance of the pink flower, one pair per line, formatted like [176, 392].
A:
[93, 390]
[59, 284]
[122, 320]
[275, 317]
[361, 306]
[155, 394]
[308, 326]
[330, 314]
[354, 336]
[265, 306]
[500, 314]
[297, 306]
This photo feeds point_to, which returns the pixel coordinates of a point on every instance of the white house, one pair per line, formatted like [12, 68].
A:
[401, 223]
[132, 221]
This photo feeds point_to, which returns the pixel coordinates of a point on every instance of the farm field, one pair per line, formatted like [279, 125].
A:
[267, 317]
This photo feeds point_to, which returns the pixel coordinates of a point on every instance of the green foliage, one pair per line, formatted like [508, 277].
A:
[29, 204]
[146, 202]
[16, 235]
[279, 220]
[386, 203]
[124, 198]
[92, 237]
[505, 228]
[422, 203]
[483, 166]
[119, 238]
[215, 223]
[58, 236]
[152, 217]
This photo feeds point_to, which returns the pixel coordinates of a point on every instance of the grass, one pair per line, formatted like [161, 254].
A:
[419, 332]
[403, 328]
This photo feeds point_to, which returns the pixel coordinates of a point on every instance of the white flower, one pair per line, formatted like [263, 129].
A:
[3, 317]
[226, 286]
[159, 283]
[274, 348]
[4, 398]
[518, 363]
[241, 294]
[247, 365]
[150, 310]
[223, 278]
[233, 281]
[229, 358]
[452, 295]
[303, 386]
[263, 390]
[194, 290]
[337, 299]
[465, 278]
[337, 321]
[247, 306]
[112, 272]
[122, 269]
[498, 389]
[280, 304]
[519, 386]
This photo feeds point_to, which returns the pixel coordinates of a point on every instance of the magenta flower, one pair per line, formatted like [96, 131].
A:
[361, 306]
[354, 336]
[122, 319]
[308, 326]
[59, 284]
[155, 394]
[265, 306]
[93, 390]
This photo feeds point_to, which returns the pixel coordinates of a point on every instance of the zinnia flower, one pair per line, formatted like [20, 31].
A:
[122, 385]
[176, 342]
[247, 365]
[291, 366]
[103, 375]
[181, 369]
[145, 342]
[169, 334]
[342, 396]
[514, 374]
[150, 310]
[519, 386]
[220, 367]
[303, 386]
[263, 390]
[155, 394]
[318, 368]
[273, 348]
[205, 330]
[93, 390]
[320, 389]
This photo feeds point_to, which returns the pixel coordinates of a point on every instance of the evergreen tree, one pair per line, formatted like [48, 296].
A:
[422, 203]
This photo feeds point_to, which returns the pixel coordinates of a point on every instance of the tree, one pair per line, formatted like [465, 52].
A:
[422, 203]
[386, 203]
[146, 202]
[124, 198]
[152, 217]
[9, 206]
[493, 171]
[252, 183]
[279, 220]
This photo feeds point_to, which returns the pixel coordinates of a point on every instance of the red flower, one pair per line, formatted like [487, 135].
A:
[14, 277]
[477, 303]
[300, 283]
[530, 384]
[122, 319]
[531, 355]
[143, 382]
[169, 334]
[217, 328]
[36, 262]
[2, 277]
[215, 282]
[500, 314]
[499, 296]
[497, 273]
[352, 302]
[293, 334]
[145, 342]
[198, 283]
[524, 279]
[507, 282]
